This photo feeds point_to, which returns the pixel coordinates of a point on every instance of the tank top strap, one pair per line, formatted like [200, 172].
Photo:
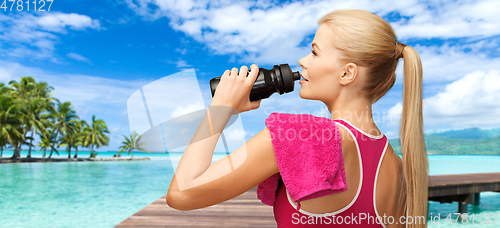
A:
[370, 150]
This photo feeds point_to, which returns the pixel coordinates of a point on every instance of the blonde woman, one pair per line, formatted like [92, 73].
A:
[352, 65]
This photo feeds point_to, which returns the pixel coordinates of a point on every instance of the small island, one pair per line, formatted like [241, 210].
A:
[32, 159]
[28, 108]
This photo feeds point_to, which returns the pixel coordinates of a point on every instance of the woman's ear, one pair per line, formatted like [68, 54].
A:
[350, 73]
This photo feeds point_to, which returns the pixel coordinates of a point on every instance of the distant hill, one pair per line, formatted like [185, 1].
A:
[466, 141]
[470, 133]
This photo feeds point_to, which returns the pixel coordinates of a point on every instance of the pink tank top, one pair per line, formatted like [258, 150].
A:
[361, 211]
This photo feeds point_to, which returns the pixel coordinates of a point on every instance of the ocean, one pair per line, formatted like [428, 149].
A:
[103, 194]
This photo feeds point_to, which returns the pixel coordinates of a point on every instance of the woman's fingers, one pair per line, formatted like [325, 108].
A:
[255, 104]
[243, 71]
[224, 76]
[252, 77]
[235, 87]
[234, 72]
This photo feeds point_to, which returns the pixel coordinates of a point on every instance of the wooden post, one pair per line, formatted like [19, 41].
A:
[475, 199]
[462, 207]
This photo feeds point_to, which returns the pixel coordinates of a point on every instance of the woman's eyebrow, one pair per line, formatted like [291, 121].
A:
[315, 44]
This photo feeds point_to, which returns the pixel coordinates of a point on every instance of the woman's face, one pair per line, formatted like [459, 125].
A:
[322, 68]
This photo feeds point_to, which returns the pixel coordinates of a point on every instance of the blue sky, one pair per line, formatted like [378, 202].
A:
[96, 54]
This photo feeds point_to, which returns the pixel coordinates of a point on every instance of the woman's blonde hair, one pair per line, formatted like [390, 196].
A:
[368, 40]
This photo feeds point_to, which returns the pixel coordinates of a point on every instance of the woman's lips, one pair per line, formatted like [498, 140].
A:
[303, 81]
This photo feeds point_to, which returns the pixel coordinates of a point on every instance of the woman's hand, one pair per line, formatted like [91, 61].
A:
[234, 90]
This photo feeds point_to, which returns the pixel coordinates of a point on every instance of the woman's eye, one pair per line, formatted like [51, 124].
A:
[313, 52]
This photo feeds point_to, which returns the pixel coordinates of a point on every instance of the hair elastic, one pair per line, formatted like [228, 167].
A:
[399, 50]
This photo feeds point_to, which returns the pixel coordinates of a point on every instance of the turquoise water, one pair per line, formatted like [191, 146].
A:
[102, 194]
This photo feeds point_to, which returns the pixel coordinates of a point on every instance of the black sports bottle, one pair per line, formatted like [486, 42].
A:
[279, 79]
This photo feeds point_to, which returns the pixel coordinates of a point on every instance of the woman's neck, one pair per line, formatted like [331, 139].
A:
[356, 111]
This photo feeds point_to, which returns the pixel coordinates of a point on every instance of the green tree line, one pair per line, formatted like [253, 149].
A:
[457, 146]
[28, 108]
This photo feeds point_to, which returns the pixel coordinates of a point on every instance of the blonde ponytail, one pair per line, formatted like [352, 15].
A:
[412, 137]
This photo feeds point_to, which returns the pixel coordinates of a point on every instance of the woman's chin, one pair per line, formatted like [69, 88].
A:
[303, 95]
[306, 96]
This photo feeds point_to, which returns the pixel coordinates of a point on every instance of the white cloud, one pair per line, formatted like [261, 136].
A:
[236, 135]
[448, 62]
[231, 27]
[263, 31]
[57, 22]
[471, 101]
[78, 57]
[181, 64]
[7, 71]
[396, 110]
[183, 51]
[187, 109]
[467, 102]
[35, 35]
[450, 19]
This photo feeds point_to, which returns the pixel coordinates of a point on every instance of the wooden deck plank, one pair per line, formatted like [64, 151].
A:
[246, 210]
[462, 184]
[440, 180]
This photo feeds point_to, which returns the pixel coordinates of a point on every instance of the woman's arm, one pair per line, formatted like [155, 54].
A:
[253, 163]
[196, 182]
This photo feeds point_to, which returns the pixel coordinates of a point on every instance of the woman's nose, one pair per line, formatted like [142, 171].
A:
[301, 63]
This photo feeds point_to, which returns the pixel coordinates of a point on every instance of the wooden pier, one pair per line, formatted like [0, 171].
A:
[247, 210]
[462, 188]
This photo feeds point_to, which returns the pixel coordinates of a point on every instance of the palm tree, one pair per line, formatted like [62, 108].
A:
[79, 135]
[93, 135]
[44, 90]
[9, 122]
[22, 92]
[3, 144]
[69, 138]
[3, 140]
[3, 89]
[24, 87]
[35, 117]
[6, 110]
[132, 143]
[62, 118]
[39, 107]
[34, 99]
[47, 141]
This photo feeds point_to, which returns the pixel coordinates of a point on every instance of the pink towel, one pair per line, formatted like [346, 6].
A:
[309, 157]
